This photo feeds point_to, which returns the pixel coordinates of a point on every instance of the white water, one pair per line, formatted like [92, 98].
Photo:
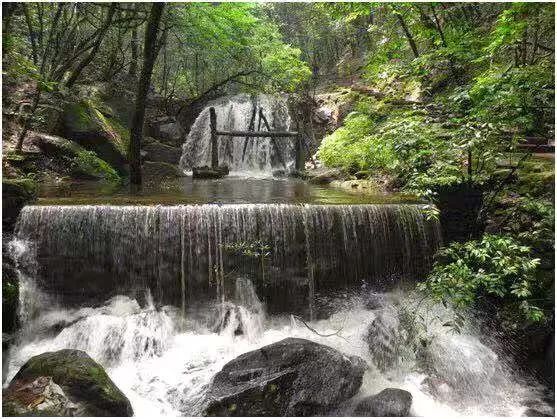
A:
[234, 114]
[163, 362]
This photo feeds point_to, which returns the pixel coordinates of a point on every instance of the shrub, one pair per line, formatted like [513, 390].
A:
[494, 267]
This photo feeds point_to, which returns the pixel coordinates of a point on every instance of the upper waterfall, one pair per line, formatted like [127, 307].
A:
[234, 113]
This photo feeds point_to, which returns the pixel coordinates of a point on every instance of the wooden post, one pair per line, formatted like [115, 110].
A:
[300, 155]
[214, 139]
[250, 128]
[273, 140]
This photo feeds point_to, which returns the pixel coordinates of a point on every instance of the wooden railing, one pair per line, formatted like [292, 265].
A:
[273, 135]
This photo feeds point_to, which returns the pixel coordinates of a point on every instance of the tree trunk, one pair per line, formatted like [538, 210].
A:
[149, 57]
[29, 23]
[409, 36]
[438, 26]
[134, 54]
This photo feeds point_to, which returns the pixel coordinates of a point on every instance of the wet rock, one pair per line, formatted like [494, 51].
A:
[83, 383]
[16, 193]
[324, 176]
[391, 402]
[280, 173]
[206, 172]
[157, 151]
[471, 364]
[436, 387]
[160, 170]
[293, 377]
[536, 413]
[37, 397]
[381, 338]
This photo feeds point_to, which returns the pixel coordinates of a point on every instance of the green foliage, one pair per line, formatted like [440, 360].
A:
[495, 266]
[253, 249]
[513, 97]
[401, 145]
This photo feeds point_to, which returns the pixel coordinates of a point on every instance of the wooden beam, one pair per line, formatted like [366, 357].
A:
[274, 134]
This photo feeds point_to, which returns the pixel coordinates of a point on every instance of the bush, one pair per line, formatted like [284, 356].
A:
[494, 267]
[402, 145]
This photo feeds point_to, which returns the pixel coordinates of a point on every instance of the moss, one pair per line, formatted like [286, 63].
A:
[81, 378]
[88, 164]
[78, 117]
[85, 123]
[536, 178]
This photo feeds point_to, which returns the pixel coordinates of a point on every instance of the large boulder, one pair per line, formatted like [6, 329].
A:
[293, 377]
[167, 130]
[74, 159]
[63, 382]
[85, 124]
[157, 170]
[391, 402]
[157, 151]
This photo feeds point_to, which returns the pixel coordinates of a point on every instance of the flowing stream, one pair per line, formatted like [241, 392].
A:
[164, 296]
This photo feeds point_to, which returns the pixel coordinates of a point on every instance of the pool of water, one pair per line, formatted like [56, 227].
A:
[230, 190]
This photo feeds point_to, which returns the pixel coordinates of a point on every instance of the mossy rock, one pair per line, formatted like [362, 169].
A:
[82, 379]
[85, 124]
[83, 164]
[16, 193]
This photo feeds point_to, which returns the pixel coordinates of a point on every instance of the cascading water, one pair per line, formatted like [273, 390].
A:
[234, 113]
[184, 253]
[226, 280]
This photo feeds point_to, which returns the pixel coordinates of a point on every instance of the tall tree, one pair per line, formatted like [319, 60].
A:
[95, 47]
[149, 56]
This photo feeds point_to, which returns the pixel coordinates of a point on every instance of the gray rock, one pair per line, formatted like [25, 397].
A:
[159, 170]
[293, 377]
[167, 130]
[206, 172]
[382, 339]
[391, 402]
[324, 176]
[157, 151]
[85, 124]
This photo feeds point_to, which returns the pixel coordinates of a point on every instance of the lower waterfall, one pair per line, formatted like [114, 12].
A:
[163, 297]
[186, 253]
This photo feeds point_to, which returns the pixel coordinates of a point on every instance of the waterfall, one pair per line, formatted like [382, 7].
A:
[234, 113]
[88, 271]
[190, 252]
